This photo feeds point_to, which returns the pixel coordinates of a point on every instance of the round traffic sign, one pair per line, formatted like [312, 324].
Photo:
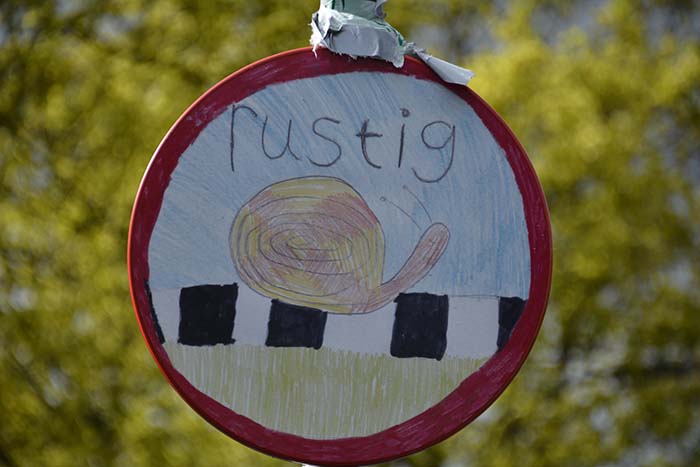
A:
[339, 262]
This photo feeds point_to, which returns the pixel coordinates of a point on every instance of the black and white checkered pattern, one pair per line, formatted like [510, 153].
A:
[414, 325]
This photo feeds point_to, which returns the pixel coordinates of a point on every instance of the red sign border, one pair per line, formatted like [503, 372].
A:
[460, 407]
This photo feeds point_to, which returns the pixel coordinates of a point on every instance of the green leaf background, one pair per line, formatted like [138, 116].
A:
[604, 95]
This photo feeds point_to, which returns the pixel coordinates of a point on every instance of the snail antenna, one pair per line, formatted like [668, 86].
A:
[419, 202]
[383, 198]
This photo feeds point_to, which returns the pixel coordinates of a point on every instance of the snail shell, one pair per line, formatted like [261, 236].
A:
[314, 242]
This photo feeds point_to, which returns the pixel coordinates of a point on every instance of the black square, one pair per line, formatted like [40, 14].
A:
[207, 313]
[420, 326]
[509, 311]
[154, 316]
[295, 326]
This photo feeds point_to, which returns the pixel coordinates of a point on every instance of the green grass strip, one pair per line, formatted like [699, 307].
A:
[321, 394]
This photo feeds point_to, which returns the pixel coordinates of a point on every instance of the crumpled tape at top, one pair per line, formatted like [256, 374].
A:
[357, 28]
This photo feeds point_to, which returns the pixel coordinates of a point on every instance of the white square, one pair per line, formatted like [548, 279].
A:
[472, 327]
[167, 306]
[252, 316]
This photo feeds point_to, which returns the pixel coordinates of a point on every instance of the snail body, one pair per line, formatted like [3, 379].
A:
[315, 242]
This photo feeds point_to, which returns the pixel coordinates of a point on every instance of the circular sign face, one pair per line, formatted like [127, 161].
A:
[339, 262]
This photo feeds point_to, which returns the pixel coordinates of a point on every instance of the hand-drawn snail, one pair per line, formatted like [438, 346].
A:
[315, 242]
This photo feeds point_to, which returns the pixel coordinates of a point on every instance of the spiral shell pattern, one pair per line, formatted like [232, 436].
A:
[310, 241]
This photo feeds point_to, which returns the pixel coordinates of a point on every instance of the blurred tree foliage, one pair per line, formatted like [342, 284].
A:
[605, 96]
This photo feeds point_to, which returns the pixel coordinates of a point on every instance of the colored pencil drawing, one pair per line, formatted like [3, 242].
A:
[314, 242]
[362, 231]
[320, 394]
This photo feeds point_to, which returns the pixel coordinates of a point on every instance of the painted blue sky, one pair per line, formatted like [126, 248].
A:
[477, 198]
